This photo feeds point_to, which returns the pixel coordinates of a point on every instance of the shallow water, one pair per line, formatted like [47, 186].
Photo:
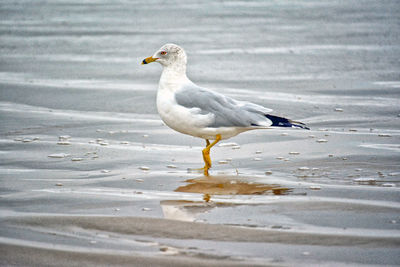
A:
[115, 188]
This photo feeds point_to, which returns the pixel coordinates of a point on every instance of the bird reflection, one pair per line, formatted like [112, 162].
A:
[214, 185]
[229, 185]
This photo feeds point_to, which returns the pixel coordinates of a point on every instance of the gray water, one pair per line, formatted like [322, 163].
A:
[73, 68]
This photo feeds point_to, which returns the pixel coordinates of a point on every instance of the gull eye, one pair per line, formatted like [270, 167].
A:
[163, 53]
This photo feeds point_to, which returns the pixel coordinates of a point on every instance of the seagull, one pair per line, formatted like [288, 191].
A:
[200, 112]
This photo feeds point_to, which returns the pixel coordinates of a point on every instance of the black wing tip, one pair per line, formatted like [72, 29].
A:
[299, 124]
[283, 122]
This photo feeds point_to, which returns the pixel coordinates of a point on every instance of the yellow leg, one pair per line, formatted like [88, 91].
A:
[206, 153]
[204, 156]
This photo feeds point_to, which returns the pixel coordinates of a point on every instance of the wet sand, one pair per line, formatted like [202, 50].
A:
[89, 174]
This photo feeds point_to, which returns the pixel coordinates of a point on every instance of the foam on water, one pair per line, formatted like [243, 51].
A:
[392, 147]
[103, 116]
[296, 49]
[89, 84]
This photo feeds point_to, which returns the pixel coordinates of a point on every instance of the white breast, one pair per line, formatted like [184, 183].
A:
[186, 120]
[179, 118]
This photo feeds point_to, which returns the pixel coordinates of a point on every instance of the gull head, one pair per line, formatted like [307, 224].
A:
[168, 55]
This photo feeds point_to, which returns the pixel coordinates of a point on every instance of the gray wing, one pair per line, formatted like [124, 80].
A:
[226, 111]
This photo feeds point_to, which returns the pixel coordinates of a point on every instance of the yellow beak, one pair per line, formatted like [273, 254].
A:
[148, 60]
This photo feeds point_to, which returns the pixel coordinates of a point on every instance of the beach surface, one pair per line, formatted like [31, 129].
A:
[90, 175]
